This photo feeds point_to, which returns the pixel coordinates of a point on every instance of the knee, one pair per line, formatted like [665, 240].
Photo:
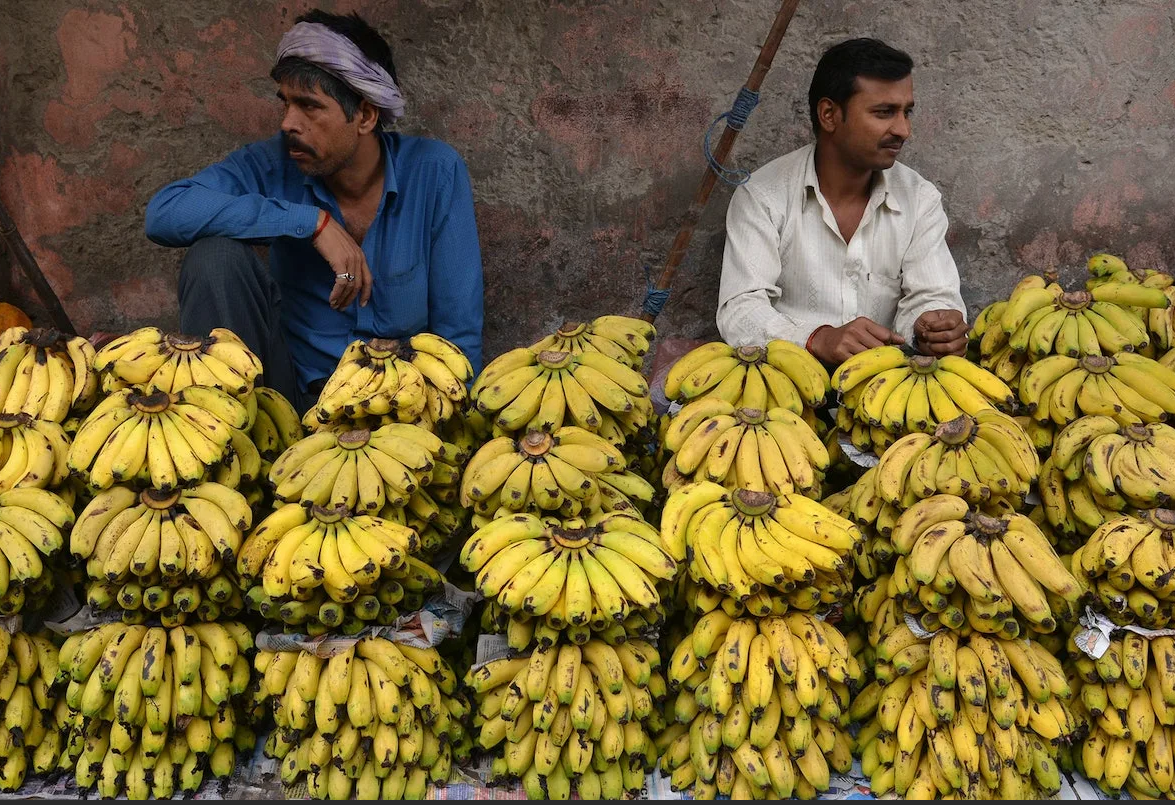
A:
[217, 262]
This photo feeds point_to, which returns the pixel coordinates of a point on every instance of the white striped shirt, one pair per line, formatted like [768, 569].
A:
[787, 270]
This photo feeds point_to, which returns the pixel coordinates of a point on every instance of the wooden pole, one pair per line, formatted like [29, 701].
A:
[32, 271]
[681, 243]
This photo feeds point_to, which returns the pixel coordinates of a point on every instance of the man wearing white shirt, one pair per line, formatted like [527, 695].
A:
[837, 246]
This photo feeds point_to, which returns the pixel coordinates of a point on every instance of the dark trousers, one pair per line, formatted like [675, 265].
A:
[223, 283]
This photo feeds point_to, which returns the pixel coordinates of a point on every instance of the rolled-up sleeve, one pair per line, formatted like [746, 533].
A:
[752, 276]
[930, 279]
[228, 199]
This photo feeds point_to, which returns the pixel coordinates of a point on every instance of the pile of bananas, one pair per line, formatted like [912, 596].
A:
[1131, 388]
[162, 439]
[886, 393]
[560, 471]
[151, 710]
[33, 452]
[1127, 700]
[621, 338]
[419, 380]
[276, 427]
[778, 375]
[152, 360]
[377, 720]
[1159, 321]
[45, 374]
[569, 714]
[575, 575]
[761, 450]
[32, 522]
[986, 333]
[524, 390]
[977, 458]
[172, 553]
[357, 470]
[323, 569]
[745, 543]
[760, 709]
[32, 710]
[1123, 465]
[971, 717]
[996, 567]
[1128, 564]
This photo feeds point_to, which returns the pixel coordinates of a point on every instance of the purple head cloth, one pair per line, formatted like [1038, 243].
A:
[339, 56]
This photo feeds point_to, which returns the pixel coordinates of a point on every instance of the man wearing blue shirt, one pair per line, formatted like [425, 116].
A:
[371, 233]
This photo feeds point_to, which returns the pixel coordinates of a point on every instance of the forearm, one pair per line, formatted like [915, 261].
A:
[184, 212]
[750, 319]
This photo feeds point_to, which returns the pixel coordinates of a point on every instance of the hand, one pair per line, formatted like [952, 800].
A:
[343, 254]
[835, 345]
[941, 332]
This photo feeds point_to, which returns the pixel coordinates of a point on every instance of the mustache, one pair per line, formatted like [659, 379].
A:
[293, 143]
[891, 142]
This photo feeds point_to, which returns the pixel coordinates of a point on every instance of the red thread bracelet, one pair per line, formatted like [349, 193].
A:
[320, 227]
[808, 344]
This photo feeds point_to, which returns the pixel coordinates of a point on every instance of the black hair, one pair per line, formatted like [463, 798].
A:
[836, 73]
[306, 75]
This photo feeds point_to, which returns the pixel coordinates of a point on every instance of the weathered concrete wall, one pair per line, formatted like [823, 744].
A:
[1045, 123]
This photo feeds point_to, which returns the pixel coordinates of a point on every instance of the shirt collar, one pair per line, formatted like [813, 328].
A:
[882, 194]
[385, 141]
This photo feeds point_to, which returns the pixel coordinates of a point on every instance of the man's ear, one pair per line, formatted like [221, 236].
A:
[829, 115]
[368, 117]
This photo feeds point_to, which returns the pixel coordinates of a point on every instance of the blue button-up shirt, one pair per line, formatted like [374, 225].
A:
[422, 246]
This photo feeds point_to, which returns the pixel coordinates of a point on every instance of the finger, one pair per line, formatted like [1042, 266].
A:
[882, 335]
[368, 284]
[868, 339]
[944, 336]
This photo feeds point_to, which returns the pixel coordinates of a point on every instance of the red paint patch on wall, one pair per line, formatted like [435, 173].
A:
[1047, 251]
[654, 125]
[1147, 254]
[95, 48]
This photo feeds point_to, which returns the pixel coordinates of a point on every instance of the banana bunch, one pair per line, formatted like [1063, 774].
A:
[1160, 322]
[33, 524]
[742, 543]
[1072, 509]
[1127, 565]
[977, 458]
[1043, 319]
[539, 471]
[523, 390]
[1127, 699]
[31, 738]
[152, 709]
[745, 448]
[569, 713]
[152, 360]
[761, 707]
[324, 569]
[33, 452]
[375, 720]
[621, 338]
[276, 426]
[1131, 388]
[577, 575]
[183, 534]
[45, 374]
[998, 567]
[419, 380]
[357, 470]
[1122, 465]
[885, 393]
[525, 632]
[964, 717]
[778, 375]
[174, 604]
[162, 440]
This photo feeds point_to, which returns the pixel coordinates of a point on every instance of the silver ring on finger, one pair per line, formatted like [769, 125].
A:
[348, 278]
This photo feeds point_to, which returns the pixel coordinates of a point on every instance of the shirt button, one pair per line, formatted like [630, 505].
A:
[300, 230]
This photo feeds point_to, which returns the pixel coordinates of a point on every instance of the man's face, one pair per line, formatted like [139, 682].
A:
[872, 126]
[317, 134]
